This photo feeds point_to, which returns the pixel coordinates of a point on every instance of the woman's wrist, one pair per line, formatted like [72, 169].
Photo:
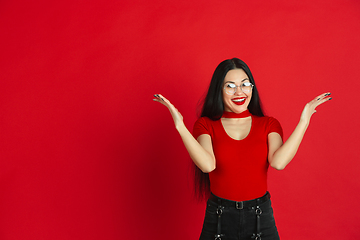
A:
[180, 127]
[304, 123]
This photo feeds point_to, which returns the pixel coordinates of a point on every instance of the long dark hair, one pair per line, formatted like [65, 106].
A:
[213, 108]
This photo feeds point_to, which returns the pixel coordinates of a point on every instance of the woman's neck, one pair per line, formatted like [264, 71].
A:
[243, 114]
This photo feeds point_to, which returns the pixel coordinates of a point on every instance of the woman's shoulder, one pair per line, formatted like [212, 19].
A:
[265, 119]
[203, 125]
[269, 124]
[206, 119]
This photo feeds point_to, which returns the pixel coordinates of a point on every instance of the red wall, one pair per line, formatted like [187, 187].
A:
[86, 153]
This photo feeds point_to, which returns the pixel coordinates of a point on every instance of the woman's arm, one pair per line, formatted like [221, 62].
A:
[281, 154]
[200, 150]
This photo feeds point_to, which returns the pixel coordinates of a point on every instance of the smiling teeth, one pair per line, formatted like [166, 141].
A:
[239, 100]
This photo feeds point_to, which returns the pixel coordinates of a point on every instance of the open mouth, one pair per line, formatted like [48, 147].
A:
[238, 101]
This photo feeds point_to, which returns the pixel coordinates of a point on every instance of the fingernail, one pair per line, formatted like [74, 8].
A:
[327, 94]
[318, 99]
[162, 99]
[330, 98]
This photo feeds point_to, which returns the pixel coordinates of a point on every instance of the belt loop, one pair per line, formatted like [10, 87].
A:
[239, 205]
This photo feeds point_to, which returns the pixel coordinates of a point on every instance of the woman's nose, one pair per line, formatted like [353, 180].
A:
[238, 91]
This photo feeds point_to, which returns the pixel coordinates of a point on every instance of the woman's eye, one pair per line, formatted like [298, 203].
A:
[246, 84]
[231, 85]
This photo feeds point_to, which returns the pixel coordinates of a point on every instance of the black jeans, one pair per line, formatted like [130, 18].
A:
[229, 220]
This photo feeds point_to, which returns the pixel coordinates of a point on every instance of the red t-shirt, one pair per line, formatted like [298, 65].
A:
[241, 165]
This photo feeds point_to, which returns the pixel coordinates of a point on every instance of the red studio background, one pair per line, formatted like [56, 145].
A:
[86, 153]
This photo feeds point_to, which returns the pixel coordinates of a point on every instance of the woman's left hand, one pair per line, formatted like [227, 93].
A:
[310, 107]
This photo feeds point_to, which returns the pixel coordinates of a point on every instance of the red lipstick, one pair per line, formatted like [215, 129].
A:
[239, 101]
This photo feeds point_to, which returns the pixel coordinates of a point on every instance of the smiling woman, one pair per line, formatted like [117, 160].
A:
[236, 101]
[232, 146]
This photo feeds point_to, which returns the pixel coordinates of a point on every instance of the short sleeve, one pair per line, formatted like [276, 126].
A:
[274, 126]
[200, 127]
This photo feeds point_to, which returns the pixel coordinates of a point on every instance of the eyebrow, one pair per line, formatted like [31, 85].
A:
[241, 80]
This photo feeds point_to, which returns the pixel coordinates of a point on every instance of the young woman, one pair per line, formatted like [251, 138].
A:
[232, 145]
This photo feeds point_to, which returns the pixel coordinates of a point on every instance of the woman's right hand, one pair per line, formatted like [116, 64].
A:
[201, 151]
[176, 115]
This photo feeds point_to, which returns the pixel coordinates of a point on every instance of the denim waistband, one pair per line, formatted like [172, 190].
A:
[240, 205]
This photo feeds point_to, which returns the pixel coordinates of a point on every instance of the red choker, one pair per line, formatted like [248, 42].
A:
[243, 114]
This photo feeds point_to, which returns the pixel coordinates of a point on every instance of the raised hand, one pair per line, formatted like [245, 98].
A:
[176, 115]
[281, 154]
[310, 107]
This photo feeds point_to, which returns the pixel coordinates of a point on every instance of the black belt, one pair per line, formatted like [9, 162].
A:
[240, 205]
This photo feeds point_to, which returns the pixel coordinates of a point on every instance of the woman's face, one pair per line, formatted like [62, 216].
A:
[239, 101]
